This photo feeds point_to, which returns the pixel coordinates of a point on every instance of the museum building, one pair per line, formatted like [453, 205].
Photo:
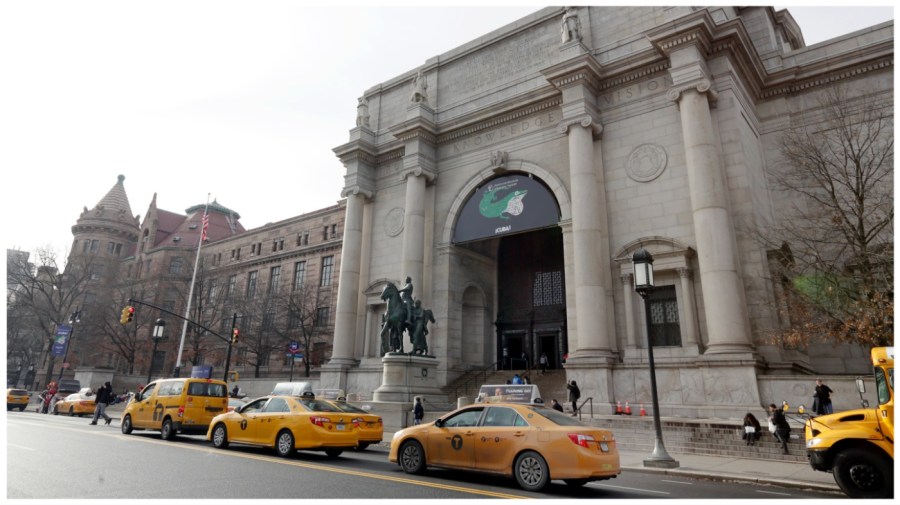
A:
[513, 178]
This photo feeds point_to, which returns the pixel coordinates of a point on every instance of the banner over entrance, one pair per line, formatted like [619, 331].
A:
[504, 206]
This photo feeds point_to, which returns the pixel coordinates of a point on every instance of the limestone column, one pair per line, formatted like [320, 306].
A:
[413, 263]
[689, 307]
[348, 288]
[628, 296]
[726, 318]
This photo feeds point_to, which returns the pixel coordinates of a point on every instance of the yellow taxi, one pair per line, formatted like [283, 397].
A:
[17, 398]
[371, 427]
[173, 406]
[287, 424]
[76, 404]
[527, 441]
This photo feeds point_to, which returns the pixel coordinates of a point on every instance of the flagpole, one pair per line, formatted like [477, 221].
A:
[187, 310]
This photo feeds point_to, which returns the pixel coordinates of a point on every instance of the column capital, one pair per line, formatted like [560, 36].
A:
[685, 273]
[627, 279]
[702, 86]
[357, 191]
[585, 121]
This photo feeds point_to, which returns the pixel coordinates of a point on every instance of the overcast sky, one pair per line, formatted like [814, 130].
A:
[240, 100]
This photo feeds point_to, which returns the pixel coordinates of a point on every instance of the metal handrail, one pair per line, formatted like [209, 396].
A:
[590, 400]
[482, 373]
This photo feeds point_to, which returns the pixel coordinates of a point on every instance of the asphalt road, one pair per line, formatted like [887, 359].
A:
[56, 457]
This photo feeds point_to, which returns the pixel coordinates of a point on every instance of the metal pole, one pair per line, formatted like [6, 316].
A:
[152, 359]
[76, 317]
[292, 368]
[660, 458]
[187, 310]
[228, 357]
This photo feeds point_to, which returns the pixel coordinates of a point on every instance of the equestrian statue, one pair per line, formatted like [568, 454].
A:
[403, 314]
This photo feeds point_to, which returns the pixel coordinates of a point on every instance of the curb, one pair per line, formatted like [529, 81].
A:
[815, 486]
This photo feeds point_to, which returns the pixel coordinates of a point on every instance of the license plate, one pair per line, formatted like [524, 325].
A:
[340, 427]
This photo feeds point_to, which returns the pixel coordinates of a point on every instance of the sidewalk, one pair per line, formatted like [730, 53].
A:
[780, 473]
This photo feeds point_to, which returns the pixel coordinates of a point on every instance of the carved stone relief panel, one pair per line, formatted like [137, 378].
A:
[646, 162]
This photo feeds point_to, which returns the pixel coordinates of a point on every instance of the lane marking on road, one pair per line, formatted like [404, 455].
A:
[773, 492]
[678, 482]
[629, 488]
[268, 459]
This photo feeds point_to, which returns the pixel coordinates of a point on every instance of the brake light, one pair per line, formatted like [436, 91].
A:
[581, 439]
[181, 411]
[378, 421]
[318, 421]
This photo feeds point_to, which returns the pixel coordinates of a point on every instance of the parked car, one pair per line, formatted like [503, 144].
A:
[17, 398]
[76, 404]
[526, 441]
[287, 424]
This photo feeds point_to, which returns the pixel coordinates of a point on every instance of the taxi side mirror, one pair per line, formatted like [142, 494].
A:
[439, 423]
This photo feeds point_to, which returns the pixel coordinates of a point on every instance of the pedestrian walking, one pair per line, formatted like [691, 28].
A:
[544, 361]
[516, 379]
[103, 398]
[782, 428]
[505, 363]
[822, 399]
[574, 395]
[555, 405]
[418, 412]
[235, 391]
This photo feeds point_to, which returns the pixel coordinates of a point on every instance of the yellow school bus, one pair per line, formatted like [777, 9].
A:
[857, 446]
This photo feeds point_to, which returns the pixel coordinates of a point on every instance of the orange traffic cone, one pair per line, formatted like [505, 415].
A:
[619, 408]
[627, 409]
[643, 410]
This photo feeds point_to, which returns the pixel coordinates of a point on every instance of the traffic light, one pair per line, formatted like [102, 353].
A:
[127, 314]
[235, 333]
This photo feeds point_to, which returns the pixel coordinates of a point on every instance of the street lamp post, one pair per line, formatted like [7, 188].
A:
[158, 334]
[76, 318]
[643, 284]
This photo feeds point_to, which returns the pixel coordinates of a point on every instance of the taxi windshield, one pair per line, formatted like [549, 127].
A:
[317, 405]
[556, 417]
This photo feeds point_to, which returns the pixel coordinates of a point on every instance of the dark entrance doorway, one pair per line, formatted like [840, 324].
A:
[531, 297]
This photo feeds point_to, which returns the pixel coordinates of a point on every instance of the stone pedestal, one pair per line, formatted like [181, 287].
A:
[405, 377]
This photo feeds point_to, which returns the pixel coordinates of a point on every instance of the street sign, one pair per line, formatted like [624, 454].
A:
[298, 357]
[295, 346]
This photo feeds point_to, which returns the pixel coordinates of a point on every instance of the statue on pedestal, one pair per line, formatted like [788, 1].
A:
[420, 89]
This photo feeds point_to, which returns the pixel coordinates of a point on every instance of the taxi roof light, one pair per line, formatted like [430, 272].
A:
[581, 439]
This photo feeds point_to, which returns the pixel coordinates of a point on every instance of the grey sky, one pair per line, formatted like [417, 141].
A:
[241, 100]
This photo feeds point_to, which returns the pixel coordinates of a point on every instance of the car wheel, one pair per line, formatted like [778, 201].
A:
[575, 482]
[333, 453]
[168, 430]
[531, 471]
[284, 443]
[861, 474]
[22, 408]
[362, 446]
[126, 425]
[412, 457]
[220, 436]
[55, 410]
[72, 412]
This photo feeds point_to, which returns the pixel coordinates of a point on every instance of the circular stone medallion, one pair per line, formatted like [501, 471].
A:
[646, 162]
[393, 222]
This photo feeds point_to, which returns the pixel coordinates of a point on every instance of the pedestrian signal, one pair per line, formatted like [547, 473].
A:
[127, 314]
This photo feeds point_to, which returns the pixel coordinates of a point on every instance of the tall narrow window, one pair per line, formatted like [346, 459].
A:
[212, 291]
[252, 277]
[664, 327]
[176, 265]
[327, 266]
[299, 274]
[334, 231]
[229, 290]
[322, 317]
[548, 289]
[268, 322]
[274, 278]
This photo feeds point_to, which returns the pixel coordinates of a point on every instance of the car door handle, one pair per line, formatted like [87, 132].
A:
[518, 434]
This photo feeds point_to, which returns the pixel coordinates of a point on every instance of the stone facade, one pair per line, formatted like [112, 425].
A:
[651, 127]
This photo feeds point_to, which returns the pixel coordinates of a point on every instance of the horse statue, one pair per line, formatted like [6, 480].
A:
[421, 318]
[393, 320]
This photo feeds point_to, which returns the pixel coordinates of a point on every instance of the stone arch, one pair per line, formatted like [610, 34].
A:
[553, 183]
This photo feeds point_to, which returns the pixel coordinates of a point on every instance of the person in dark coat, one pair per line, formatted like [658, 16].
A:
[782, 428]
[104, 396]
[752, 429]
[555, 405]
[822, 403]
[418, 412]
[574, 395]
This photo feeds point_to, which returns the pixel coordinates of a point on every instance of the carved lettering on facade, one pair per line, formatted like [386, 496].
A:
[504, 132]
[632, 92]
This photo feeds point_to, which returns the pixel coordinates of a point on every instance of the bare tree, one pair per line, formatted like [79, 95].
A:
[306, 319]
[837, 234]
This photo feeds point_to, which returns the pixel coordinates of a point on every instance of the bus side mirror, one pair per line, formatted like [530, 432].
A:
[860, 385]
